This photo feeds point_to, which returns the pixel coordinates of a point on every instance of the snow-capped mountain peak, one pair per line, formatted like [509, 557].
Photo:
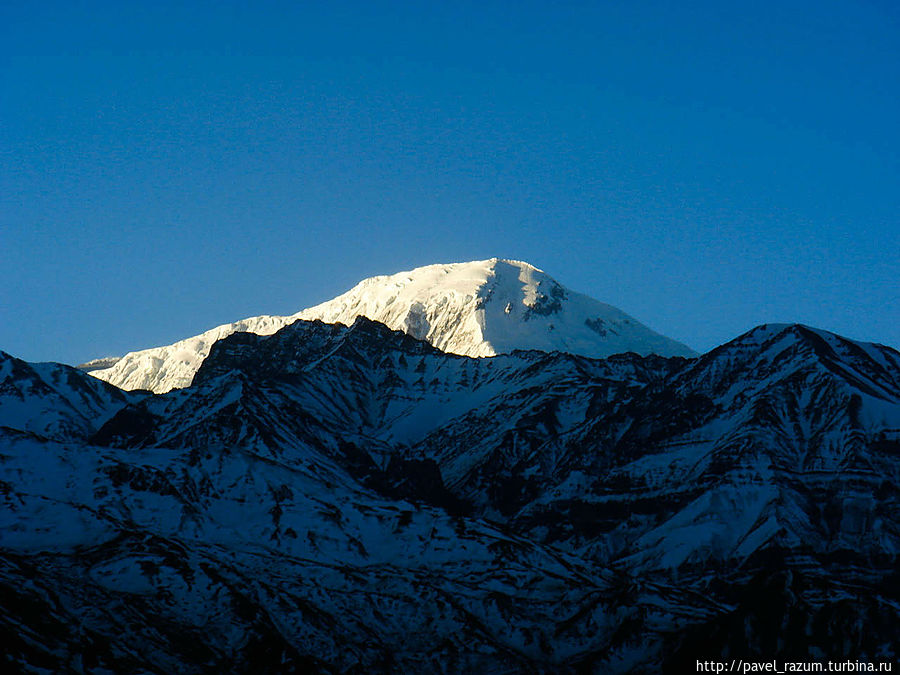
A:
[494, 306]
[478, 308]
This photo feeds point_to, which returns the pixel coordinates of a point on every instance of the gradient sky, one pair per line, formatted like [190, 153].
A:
[706, 167]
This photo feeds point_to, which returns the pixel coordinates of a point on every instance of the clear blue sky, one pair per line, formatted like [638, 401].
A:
[704, 166]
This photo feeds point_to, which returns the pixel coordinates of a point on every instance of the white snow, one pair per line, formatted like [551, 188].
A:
[479, 308]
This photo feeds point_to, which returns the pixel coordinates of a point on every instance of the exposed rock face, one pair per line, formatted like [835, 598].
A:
[330, 498]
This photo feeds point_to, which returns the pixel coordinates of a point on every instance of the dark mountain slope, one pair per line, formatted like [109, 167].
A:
[349, 499]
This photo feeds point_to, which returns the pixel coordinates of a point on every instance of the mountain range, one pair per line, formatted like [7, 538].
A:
[344, 498]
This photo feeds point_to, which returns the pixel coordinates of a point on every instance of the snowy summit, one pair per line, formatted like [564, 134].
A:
[479, 308]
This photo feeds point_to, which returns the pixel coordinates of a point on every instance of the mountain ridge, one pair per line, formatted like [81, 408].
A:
[478, 308]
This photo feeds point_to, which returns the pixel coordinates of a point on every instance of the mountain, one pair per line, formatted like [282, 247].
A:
[334, 498]
[55, 401]
[477, 308]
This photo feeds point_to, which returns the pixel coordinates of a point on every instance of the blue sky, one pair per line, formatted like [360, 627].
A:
[704, 166]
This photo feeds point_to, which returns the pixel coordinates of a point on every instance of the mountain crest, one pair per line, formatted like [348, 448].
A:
[479, 308]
